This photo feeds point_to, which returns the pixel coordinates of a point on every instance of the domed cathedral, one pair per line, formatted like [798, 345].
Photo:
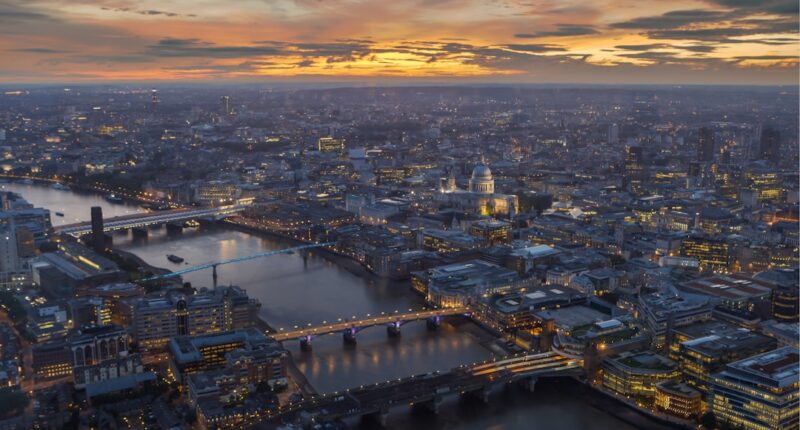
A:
[481, 181]
[480, 198]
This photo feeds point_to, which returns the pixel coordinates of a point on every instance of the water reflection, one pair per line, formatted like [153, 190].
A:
[74, 205]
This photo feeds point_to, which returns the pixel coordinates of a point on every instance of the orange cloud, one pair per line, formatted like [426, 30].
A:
[692, 41]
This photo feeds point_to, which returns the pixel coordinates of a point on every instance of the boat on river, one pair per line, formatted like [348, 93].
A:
[114, 199]
[174, 258]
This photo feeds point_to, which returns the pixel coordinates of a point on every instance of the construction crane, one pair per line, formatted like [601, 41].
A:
[213, 265]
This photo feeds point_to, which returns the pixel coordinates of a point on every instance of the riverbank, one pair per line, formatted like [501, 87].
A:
[80, 187]
[630, 412]
[145, 267]
[299, 378]
[599, 400]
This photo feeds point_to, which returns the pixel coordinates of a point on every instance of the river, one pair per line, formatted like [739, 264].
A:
[304, 288]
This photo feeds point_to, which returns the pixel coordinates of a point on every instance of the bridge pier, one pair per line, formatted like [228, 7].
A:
[434, 322]
[393, 329]
[434, 404]
[349, 336]
[139, 232]
[305, 343]
[383, 416]
[484, 393]
[530, 383]
[174, 227]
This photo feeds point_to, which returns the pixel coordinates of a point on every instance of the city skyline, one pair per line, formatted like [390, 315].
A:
[410, 214]
[451, 41]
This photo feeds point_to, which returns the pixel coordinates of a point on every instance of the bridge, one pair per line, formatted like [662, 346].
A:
[213, 265]
[349, 328]
[426, 389]
[151, 218]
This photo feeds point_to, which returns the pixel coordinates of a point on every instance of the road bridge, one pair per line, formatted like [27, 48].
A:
[151, 218]
[427, 389]
[349, 327]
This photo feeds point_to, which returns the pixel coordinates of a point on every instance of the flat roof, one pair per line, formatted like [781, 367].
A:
[118, 384]
[730, 287]
[781, 365]
[573, 316]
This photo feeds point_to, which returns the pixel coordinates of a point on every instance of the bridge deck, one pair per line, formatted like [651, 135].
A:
[149, 218]
[366, 322]
[419, 388]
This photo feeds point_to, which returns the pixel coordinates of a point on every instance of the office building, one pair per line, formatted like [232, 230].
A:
[514, 310]
[662, 313]
[761, 184]
[52, 360]
[770, 145]
[705, 145]
[11, 265]
[735, 292]
[330, 144]
[492, 232]
[455, 284]
[786, 303]
[713, 254]
[759, 392]
[444, 241]
[192, 354]
[613, 134]
[635, 374]
[635, 171]
[159, 319]
[701, 357]
[215, 193]
[225, 105]
[678, 399]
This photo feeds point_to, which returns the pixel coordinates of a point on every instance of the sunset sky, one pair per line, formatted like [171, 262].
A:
[528, 41]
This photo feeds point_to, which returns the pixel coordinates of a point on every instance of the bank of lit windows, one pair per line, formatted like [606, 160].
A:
[62, 369]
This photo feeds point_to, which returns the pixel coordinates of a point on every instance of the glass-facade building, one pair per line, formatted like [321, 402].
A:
[760, 392]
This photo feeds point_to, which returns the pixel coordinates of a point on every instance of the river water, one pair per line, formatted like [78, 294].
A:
[302, 288]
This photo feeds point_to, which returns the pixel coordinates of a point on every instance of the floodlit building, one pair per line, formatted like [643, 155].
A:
[480, 197]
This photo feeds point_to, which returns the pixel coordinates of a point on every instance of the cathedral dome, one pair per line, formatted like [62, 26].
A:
[481, 181]
[481, 171]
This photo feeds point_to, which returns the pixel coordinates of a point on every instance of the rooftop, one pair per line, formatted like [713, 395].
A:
[645, 360]
[532, 252]
[781, 367]
[728, 287]
[573, 316]
[740, 340]
[676, 387]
